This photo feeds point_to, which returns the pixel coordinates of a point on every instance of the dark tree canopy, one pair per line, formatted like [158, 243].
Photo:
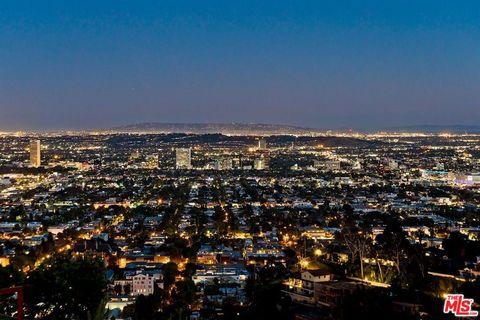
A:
[66, 287]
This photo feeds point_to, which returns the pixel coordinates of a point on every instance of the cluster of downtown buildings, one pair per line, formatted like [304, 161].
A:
[314, 219]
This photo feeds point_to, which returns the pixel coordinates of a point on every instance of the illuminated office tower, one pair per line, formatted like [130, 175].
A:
[183, 158]
[151, 161]
[262, 144]
[237, 163]
[223, 164]
[35, 158]
[259, 164]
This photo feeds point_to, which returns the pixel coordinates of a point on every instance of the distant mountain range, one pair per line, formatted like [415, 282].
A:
[437, 128]
[275, 129]
[235, 141]
[225, 128]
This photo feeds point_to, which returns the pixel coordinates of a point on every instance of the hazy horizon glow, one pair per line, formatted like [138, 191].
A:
[321, 64]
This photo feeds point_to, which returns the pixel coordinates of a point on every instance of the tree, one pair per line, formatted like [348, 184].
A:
[394, 243]
[418, 264]
[455, 248]
[358, 243]
[170, 271]
[127, 289]
[145, 308]
[263, 289]
[9, 276]
[369, 304]
[471, 289]
[66, 286]
[184, 293]
[117, 289]
[190, 269]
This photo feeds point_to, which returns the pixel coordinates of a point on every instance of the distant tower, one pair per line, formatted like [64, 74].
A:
[224, 164]
[262, 144]
[260, 164]
[183, 158]
[151, 161]
[35, 158]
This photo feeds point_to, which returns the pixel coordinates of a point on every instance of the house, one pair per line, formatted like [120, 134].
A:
[33, 241]
[140, 283]
[302, 289]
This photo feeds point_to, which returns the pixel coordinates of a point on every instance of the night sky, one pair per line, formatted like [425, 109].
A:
[325, 64]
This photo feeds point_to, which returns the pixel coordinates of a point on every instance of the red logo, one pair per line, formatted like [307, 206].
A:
[459, 306]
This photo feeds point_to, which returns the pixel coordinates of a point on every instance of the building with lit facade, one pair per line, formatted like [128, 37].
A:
[151, 161]
[183, 158]
[35, 156]
[260, 164]
[141, 283]
[223, 164]
[262, 144]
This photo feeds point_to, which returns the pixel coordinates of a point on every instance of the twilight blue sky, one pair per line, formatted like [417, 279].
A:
[325, 64]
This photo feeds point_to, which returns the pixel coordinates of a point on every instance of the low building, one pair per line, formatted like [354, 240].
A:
[302, 289]
[234, 273]
[140, 283]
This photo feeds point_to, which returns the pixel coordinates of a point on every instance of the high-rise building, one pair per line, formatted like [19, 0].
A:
[333, 165]
[262, 144]
[151, 161]
[35, 156]
[260, 164]
[183, 158]
[224, 164]
[237, 162]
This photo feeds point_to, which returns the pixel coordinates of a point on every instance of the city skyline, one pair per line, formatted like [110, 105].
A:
[216, 227]
[251, 128]
[323, 65]
[239, 160]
